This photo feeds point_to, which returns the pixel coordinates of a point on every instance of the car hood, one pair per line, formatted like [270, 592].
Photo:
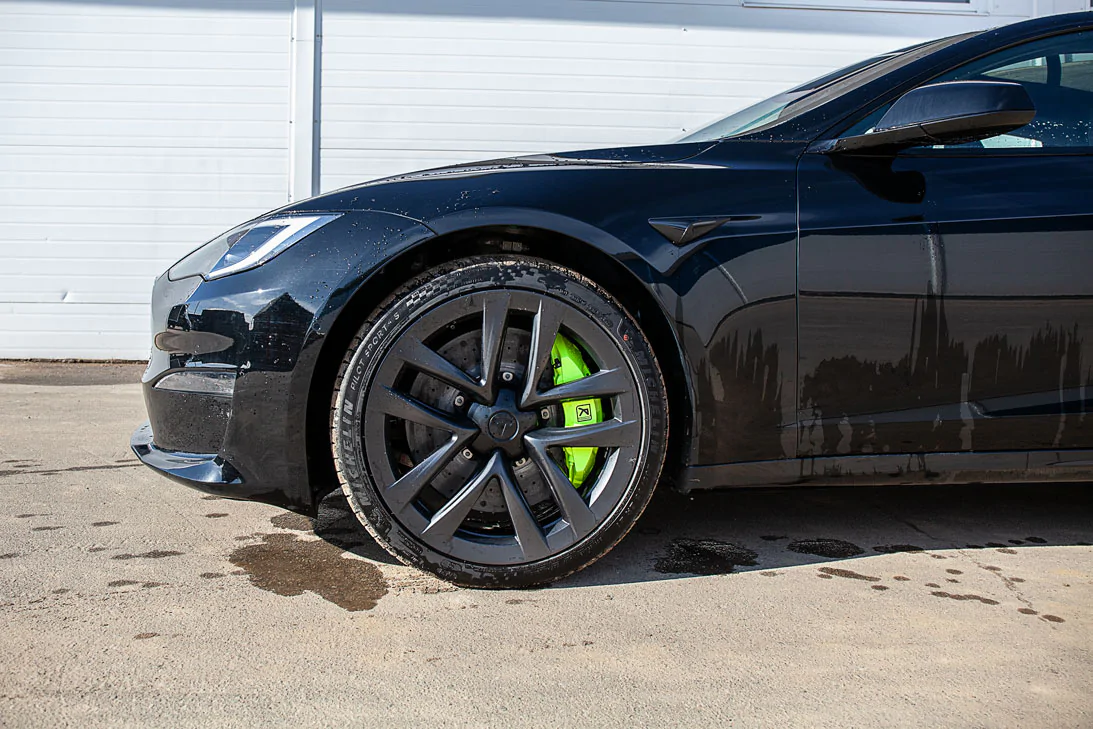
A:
[356, 197]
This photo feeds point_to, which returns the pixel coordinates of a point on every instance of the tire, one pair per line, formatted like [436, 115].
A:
[449, 435]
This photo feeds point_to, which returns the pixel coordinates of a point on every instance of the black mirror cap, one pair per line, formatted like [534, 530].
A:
[953, 112]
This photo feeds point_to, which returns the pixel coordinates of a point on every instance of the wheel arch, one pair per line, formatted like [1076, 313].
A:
[563, 249]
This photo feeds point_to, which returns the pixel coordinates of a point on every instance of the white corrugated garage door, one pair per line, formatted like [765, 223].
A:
[129, 133]
[428, 82]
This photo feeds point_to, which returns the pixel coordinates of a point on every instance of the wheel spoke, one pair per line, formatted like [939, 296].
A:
[528, 534]
[399, 494]
[604, 383]
[423, 359]
[543, 332]
[495, 312]
[403, 406]
[445, 522]
[608, 434]
[570, 502]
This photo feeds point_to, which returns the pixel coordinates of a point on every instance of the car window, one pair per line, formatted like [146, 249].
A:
[1057, 72]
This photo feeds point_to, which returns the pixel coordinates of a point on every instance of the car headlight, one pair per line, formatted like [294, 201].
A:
[247, 246]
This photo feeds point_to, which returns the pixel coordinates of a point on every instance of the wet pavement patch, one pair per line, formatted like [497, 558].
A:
[104, 523]
[704, 557]
[897, 548]
[286, 565]
[848, 574]
[68, 374]
[293, 521]
[121, 583]
[9, 555]
[951, 596]
[46, 528]
[154, 554]
[1052, 618]
[216, 515]
[830, 548]
[145, 636]
[1036, 540]
[212, 575]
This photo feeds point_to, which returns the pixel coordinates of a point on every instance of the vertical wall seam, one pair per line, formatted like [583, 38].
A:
[304, 106]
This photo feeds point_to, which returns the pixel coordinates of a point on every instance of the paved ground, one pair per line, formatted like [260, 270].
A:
[128, 599]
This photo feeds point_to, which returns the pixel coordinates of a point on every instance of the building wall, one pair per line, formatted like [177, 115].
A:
[129, 132]
[133, 130]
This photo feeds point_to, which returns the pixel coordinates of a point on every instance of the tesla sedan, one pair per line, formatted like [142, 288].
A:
[881, 276]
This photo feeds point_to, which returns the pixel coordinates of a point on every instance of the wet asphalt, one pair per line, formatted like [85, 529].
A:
[127, 599]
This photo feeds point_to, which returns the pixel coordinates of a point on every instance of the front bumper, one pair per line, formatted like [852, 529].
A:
[261, 331]
[249, 441]
[207, 472]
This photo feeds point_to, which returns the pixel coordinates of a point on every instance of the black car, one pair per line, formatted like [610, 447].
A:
[881, 276]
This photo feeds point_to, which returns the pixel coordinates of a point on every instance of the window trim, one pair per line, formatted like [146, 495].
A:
[916, 7]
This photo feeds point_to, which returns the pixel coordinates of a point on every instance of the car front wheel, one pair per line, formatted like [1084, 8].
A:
[499, 422]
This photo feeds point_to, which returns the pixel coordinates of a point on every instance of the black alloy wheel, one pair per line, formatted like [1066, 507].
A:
[451, 438]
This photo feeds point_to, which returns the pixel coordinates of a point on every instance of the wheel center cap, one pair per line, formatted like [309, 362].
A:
[503, 426]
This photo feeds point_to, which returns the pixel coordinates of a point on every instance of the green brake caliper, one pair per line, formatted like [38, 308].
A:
[569, 366]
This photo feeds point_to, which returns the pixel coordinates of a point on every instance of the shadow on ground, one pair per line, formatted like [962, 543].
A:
[768, 529]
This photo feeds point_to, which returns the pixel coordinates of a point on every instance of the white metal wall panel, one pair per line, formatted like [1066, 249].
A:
[421, 83]
[129, 133]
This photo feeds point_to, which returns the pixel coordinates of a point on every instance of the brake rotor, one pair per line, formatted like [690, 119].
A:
[464, 351]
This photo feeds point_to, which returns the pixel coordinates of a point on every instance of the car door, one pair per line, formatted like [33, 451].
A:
[946, 294]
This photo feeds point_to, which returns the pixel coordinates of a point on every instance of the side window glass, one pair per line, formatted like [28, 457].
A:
[1058, 75]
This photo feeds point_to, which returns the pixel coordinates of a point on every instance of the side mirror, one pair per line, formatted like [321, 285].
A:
[947, 113]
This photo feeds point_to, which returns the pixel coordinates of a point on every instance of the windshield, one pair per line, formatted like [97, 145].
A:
[790, 104]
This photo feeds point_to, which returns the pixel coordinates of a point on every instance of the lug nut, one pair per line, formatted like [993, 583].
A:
[506, 376]
[468, 454]
[521, 461]
[459, 400]
[544, 414]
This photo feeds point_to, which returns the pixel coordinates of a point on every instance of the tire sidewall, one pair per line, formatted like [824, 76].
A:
[414, 300]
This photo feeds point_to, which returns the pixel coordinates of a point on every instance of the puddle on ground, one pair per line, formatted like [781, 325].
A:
[154, 554]
[951, 596]
[830, 548]
[286, 565]
[848, 574]
[704, 557]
